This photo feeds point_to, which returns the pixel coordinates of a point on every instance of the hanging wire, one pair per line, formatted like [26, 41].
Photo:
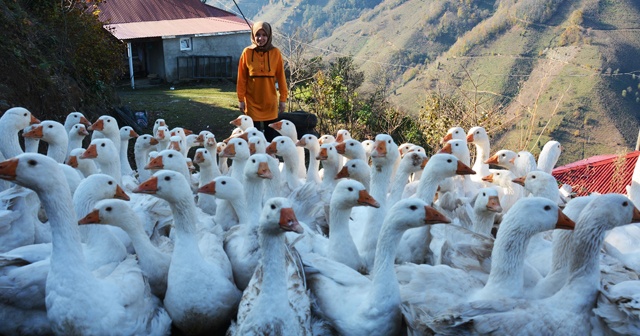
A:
[244, 17]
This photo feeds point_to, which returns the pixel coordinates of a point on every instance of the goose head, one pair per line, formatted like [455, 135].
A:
[127, 132]
[457, 148]
[202, 136]
[501, 177]
[252, 132]
[417, 149]
[504, 158]
[487, 200]
[328, 153]
[78, 130]
[169, 159]
[404, 148]
[326, 138]
[609, 211]
[18, 118]
[476, 135]
[74, 118]
[343, 135]
[456, 132]
[257, 145]
[258, 167]
[285, 128]
[278, 216]
[446, 165]
[384, 150]
[351, 149]
[33, 171]
[159, 122]
[282, 146]
[162, 133]
[192, 141]
[539, 183]
[113, 212]
[202, 157]
[234, 134]
[411, 213]
[224, 187]
[176, 143]
[168, 185]
[309, 141]
[179, 131]
[413, 162]
[103, 150]
[105, 124]
[220, 146]
[144, 142]
[534, 215]
[49, 131]
[243, 122]
[96, 187]
[237, 148]
[351, 193]
[355, 169]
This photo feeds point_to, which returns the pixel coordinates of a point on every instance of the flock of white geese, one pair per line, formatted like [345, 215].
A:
[301, 236]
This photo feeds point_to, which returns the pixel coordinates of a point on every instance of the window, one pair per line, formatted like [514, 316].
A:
[185, 43]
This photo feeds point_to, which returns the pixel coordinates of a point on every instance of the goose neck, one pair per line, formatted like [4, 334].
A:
[507, 260]
[274, 283]
[484, 222]
[385, 283]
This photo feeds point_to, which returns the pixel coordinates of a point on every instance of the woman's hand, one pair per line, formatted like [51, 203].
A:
[242, 107]
[281, 107]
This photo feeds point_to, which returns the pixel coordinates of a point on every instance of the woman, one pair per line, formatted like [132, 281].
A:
[259, 69]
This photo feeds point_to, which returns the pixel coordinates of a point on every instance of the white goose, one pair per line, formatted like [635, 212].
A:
[153, 263]
[509, 192]
[105, 154]
[200, 297]
[237, 150]
[172, 159]
[13, 121]
[242, 121]
[351, 149]
[106, 127]
[569, 311]
[31, 145]
[478, 136]
[206, 202]
[76, 135]
[549, 156]
[371, 305]
[410, 163]
[157, 123]
[276, 301]
[285, 147]
[53, 133]
[358, 170]
[143, 146]
[86, 167]
[78, 302]
[75, 118]
[162, 135]
[341, 248]
[126, 133]
[288, 129]
[311, 143]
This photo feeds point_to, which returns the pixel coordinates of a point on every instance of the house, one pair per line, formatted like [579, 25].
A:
[174, 40]
[602, 174]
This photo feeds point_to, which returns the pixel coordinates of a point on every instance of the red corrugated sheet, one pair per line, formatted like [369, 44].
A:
[602, 174]
[130, 19]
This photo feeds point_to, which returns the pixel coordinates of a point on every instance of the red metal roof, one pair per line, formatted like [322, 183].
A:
[130, 19]
[602, 174]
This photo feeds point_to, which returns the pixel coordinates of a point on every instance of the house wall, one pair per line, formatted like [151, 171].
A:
[218, 45]
[155, 58]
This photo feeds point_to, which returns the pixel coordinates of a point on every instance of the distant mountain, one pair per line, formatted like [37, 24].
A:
[563, 70]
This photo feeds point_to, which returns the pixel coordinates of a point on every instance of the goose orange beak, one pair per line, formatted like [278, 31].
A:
[97, 126]
[276, 125]
[564, 222]
[494, 204]
[8, 169]
[636, 216]
[90, 153]
[272, 149]
[488, 178]
[149, 186]
[343, 173]
[155, 163]
[463, 169]
[229, 151]
[289, 222]
[92, 218]
[264, 171]
[34, 133]
[433, 216]
[519, 180]
[120, 194]
[33, 120]
[209, 188]
[73, 161]
[341, 147]
[492, 160]
[364, 198]
[445, 149]
[85, 121]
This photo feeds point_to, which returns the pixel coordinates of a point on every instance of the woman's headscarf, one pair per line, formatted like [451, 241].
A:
[267, 29]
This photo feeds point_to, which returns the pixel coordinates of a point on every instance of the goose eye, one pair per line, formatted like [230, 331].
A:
[388, 141]
[50, 126]
[25, 114]
[273, 207]
[102, 145]
[350, 189]
[518, 155]
[253, 161]
[110, 182]
[413, 208]
[449, 160]
[477, 132]
[533, 176]
[547, 207]
[224, 182]
[167, 178]
[625, 203]
[484, 194]
[108, 208]
[353, 165]
[503, 155]
[108, 120]
[351, 144]
[32, 162]
[457, 145]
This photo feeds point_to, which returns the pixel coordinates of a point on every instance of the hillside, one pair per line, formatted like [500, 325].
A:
[551, 69]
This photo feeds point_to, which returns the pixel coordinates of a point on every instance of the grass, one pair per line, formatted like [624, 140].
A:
[194, 106]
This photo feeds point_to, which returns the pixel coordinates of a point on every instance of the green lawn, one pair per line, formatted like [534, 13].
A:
[200, 106]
